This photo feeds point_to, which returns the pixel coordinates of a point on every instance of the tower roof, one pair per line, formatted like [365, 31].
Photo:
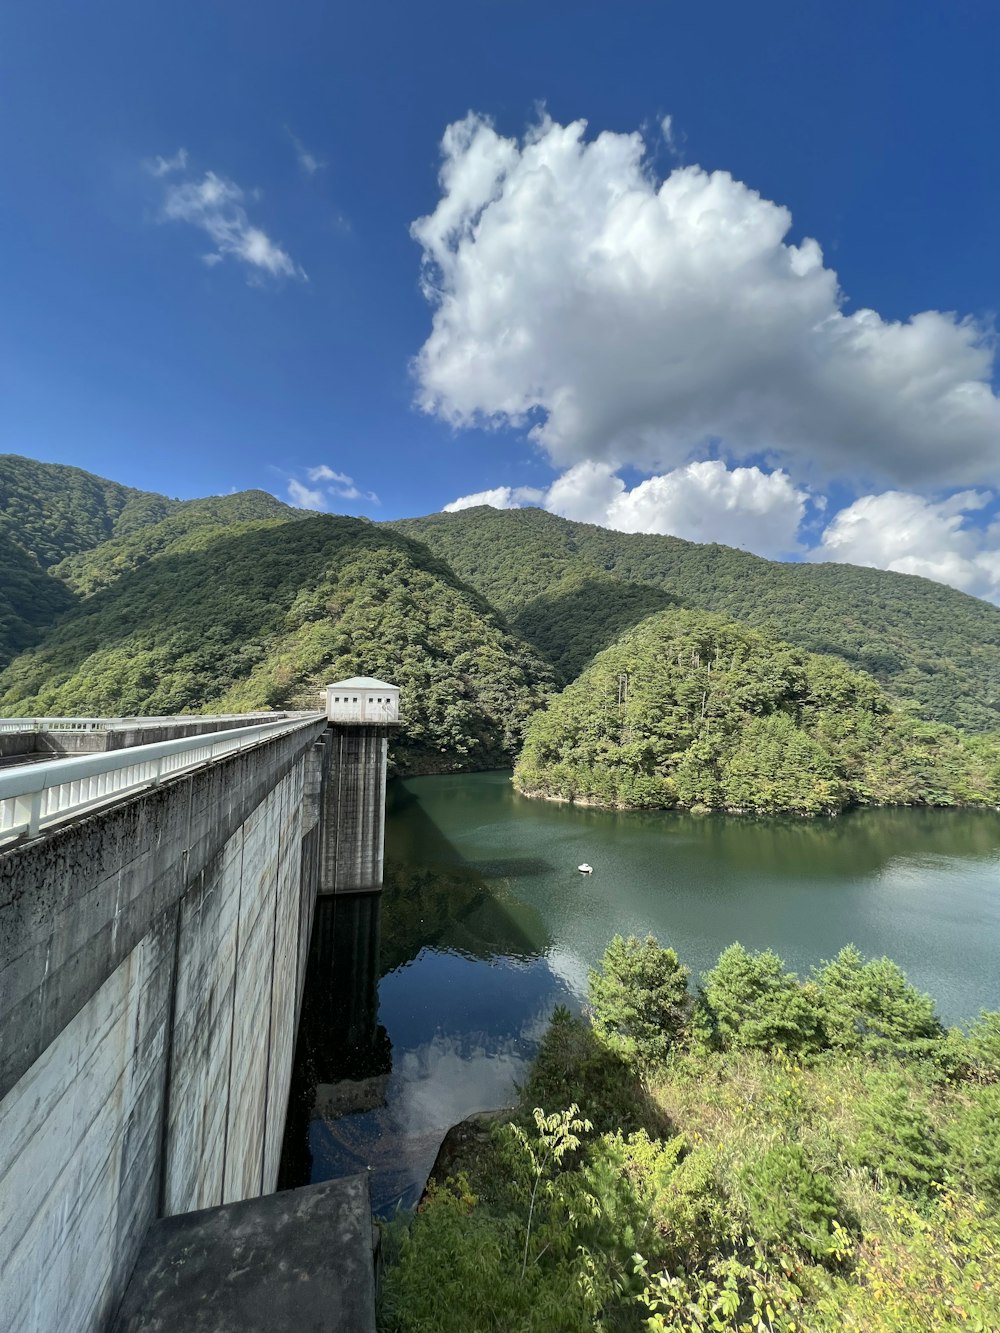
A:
[362, 683]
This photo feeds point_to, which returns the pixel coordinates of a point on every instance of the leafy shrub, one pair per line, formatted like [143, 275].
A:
[787, 1200]
[984, 1046]
[935, 1267]
[896, 1139]
[974, 1141]
[573, 1066]
[458, 1268]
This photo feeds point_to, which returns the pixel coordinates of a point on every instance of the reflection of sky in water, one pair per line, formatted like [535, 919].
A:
[463, 1031]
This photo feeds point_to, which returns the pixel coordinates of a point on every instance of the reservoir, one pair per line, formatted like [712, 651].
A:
[485, 924]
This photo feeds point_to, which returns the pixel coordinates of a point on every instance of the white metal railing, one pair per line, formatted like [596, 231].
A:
[35, 797]
[8, 724]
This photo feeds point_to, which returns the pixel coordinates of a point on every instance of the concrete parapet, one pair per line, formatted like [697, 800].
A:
[301, 1260]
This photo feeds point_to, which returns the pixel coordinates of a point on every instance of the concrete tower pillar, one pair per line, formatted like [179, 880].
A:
[362, 712]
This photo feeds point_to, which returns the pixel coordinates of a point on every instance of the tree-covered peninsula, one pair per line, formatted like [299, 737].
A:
[694, 710]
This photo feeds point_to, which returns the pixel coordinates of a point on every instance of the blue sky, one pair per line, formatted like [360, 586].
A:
[256, 310]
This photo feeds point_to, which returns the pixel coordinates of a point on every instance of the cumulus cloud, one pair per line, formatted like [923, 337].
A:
[303, 498]
[333, 486]
[216, 206]
[912, 535]
[704, 502]
[626, 320]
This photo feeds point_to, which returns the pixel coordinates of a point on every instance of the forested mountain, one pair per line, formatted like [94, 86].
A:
[261, 614]
[54, 511]
[64, 533]
[691, 709]
[933, 648]
[92, 570]
[30, 598]
[134, 602]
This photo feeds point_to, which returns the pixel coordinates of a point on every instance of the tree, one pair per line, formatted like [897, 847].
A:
[639, 999]
[872, 1007]
[749, 1002]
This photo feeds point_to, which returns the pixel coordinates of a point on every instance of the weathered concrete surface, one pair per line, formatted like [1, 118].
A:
[354, 809]
[151, 965]
[300, 1261]
[76, 902]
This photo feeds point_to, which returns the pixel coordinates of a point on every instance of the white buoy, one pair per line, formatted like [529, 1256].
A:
[585, 869]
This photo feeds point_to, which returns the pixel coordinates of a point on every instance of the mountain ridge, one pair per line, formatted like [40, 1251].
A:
[937, 650]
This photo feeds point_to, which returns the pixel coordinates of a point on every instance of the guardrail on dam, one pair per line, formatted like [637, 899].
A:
[156, 905]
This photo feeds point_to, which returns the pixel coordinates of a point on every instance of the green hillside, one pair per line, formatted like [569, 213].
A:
[261, 614]
[691, 709]
[30, 598]
[54, 511]
[935, 649]
[90, 571]
[65, 533]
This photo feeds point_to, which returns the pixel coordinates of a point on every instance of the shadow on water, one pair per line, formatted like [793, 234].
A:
[343, 1055]
[422, 1004]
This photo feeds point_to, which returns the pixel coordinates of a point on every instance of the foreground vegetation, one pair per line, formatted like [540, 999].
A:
[768, 1154]
[691, 709]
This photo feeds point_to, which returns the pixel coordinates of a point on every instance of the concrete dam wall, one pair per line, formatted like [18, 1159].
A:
[152, 958]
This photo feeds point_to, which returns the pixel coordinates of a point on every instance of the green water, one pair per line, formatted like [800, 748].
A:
[486, 924]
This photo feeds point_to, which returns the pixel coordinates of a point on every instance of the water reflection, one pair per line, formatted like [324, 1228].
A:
[451, 962]
[343, 1054]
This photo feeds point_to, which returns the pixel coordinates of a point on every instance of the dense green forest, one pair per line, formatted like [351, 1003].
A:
[261, 614]
[765, 1154]
[90, 571]
[691, 709]
[54, 511]
[935, 649]
[65, 533]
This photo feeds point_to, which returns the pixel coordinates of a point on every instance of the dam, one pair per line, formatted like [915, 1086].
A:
[158, 887]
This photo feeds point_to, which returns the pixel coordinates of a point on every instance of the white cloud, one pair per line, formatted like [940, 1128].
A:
[163, 166]
[324, 473]
[303, 497]
[338, 486]
[309, 162]
[501, 497]
[628, 321]
[912, 535]
[703, 502]
[215, 205]
[671, 137]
